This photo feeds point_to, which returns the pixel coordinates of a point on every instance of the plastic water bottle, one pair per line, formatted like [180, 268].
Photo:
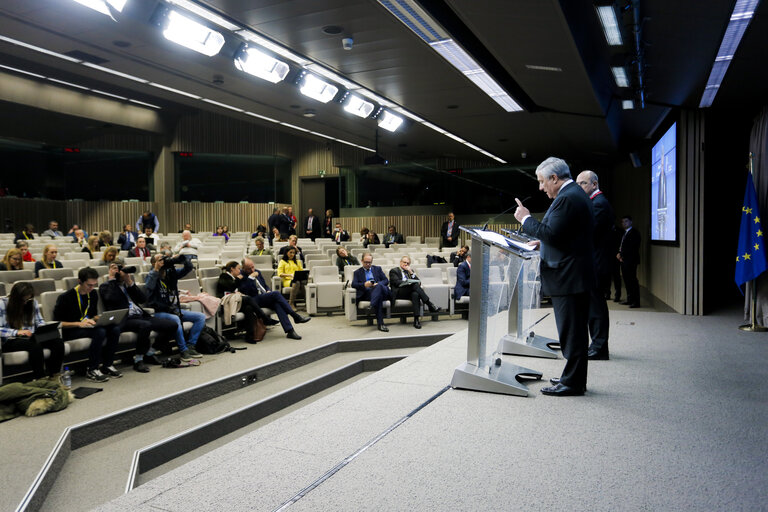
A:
[66, 378]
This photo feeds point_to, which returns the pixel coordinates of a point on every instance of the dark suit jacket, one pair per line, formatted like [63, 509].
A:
[462, 281]
[328, 226]
[315, 228]
[396, 278]
[283, 224]
[604, 219]
[630, 247]
[123, 242]
[272, 222]
[133, 253]
[226, 284]
[454, 233]
[114, 298]
[566, 234]
[397, 238]
[456, 259]
[248, 286]
[344, 235]
[358, 279]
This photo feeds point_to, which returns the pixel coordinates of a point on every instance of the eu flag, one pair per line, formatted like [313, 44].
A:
[750, 258]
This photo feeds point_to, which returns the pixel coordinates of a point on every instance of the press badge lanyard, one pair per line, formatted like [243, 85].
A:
[80, 304]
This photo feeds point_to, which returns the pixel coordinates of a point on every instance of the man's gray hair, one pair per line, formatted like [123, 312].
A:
[592, 176]
[556, 166]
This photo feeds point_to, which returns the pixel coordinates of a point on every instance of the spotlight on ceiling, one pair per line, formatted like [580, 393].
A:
[259, 64]
[358, 106]
[191, 34]
[606, 12]
[620, 76]
[318, 89]
[103, 6]
[389, 121]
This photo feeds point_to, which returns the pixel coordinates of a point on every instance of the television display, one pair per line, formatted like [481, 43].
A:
[664, 187]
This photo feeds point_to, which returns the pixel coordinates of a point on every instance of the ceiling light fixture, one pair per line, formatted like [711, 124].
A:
[317, 89]
[609, 20]
[739, 21]
[103, 6]
[205, 14]
[620, 76]
[627, 104]
[116, 73]
[261, 65]
[358, 106]
[389, 121]
[191, 34]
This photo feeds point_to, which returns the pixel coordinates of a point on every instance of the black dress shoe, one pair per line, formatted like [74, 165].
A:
[417, 323]
[624, 303]
[301, 319]
[433, 308]
[270, 321]
[597, 356]
[555, 381]
[383, 328]
[561, 390]
[633, 306]
[293, 335]
[140, 367]
[153, 359]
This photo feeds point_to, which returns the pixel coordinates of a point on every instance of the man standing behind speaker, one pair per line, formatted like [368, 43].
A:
[311, 225]
[567, 270]
[629, 256]
[449, 233]
[598, 309]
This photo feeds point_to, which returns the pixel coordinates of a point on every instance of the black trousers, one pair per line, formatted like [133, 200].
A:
[99, 352]
[571, 315]
[629, 271]
[598, 318]
[36, 356]
[252, 311]
[415, 293]
[144, 325]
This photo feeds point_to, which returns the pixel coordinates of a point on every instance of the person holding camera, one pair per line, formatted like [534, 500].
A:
[120, 292]
[371, 284]
[162, 287]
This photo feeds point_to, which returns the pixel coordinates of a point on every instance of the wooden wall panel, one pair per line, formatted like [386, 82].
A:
[206, 216]
[38, 212]
[109, 215]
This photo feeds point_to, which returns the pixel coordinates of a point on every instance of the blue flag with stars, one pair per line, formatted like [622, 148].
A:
[750, 258]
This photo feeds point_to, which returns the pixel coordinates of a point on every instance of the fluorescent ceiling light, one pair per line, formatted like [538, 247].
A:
[23, 72]
[176, 91]
[116, 73]
[543, 68]
[223, 105]
[38, 49]
[620, 76]
[358, 106]
[103, 6]
[258, 116]
[739, 21]
[299, 128]
[109, 94]
[627, 104]
[610, 23]
[274, 48]
[390, 121]
[69, 84]
[205, 14]
[261, 65]
[144, 103]
[318, 89]
[193, 35]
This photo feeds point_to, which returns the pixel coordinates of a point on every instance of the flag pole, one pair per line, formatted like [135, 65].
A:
[752, 325]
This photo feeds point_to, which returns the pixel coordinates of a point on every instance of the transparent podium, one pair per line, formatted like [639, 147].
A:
[504, 273]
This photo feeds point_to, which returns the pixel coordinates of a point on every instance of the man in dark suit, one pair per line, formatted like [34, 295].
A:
[629, 257]
[402, 289]
[567, 273]
[127, 238]
[371, 284]
[311, 225]
[603, 257]
[450, 232]
[284, 223]
[272, 221]
[392, 237]
[462, 278]
[340, 234]
[458, 257]
[228, 283]
[328, 224]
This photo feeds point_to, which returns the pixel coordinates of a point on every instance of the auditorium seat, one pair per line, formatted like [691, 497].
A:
[11, 276]
[325, 292]
[57, 274]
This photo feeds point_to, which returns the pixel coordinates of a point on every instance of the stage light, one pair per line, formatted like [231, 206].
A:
[358, 106]
[610, 23]
[193, 35]
[318, 89]
[620, 76]
[390, 121]
[627, 104]
[261, 65]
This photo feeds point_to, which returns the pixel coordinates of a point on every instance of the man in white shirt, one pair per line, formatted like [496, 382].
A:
[187, 246]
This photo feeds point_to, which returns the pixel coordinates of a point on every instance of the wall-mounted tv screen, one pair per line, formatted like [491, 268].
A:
[664, 187]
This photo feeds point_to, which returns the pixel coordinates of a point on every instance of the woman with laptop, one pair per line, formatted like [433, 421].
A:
[20, 319]
[288, 266]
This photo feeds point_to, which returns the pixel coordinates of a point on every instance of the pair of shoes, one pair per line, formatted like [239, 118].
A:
[617, 299]
[153, 359]
[555, 381]
[190, 353]
[293, 335]
[624, 303]
[271, 321]
[561, 390]
[633, 306]
[140, 367]
[301, 319]
[96, 376]
[417, 323]
[383, 328]
[594, 355]
[111, 371]
[433, 308]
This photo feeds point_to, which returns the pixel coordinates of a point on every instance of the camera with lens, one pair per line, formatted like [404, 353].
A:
[126, 270]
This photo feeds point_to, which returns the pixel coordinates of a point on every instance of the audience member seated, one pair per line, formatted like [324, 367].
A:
[287, 266]
[220, 232]
[23, 246]
[53, 230]
[261, 231]
[141, 250]
[343, 258]
[372, 285]
[187, 227]
[120, 292]
[92, 247]
[371, 238]
[80, 238]
[392, 237]
[48, 260]
[73, 232]
[148, 220]
[364, 235]
[187, 246]
[259, 249]
[151, 237]
[407, 285]
[163, 291]
[462, 278]
[339, 235]
[277, 236]
[165, 248]
[19, 317]
[105, 239]
[26, 233]
[226, 230]
[127, 238]
[229, 282]
[110, 256]
[13, 260]
[77, 310]
[457, 257]
[292, 241]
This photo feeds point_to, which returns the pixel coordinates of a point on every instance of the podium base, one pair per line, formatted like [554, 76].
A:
[533, 346]
[753, 328]
[501, 379]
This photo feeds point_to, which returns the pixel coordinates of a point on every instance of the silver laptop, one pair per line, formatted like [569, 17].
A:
[111, 317]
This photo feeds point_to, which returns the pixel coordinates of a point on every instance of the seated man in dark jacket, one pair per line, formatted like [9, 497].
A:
[163, 291]
[343, 258]
[120, 292]
[462, 278]
[459, 256]
[371, 284]
[229, 282]
[405, 285]
[77, 310]
[127, 238]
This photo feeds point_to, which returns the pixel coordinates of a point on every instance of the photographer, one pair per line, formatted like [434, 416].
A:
[120, 292]
[164, 299]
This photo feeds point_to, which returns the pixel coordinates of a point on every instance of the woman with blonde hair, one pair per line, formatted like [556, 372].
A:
[105, 239]
[92, 247]
[288, 266]
[48, 260]
[13, 260]
[110, 255]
